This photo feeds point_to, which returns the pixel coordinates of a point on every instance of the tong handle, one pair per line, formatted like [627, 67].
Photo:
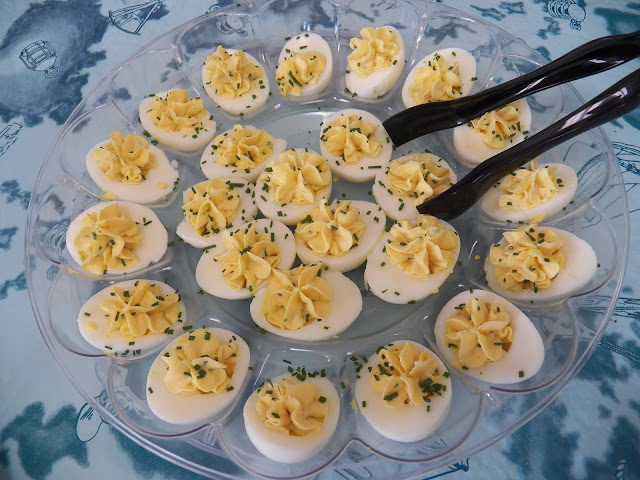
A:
[588, 59]
[618, 100]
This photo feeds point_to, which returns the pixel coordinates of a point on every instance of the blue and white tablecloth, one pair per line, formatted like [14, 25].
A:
[592, 430]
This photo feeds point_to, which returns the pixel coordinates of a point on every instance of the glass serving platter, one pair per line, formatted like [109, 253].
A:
[480, 414]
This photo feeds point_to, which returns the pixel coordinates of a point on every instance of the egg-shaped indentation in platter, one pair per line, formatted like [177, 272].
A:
[389, 405]
[267, 244]
[340, 235]
[215, 205]
[311, 432]
[113, 238]
[129, 168]
[129, 319]
[242, 151]
[308, 303]
[305, 66]
[529, 192]
[178, 119]
[235, 81]
[355, 143]
[488, 338]
[409, 181]
[446, 74]
[492, 133]
[375, 63]
[217, 362]
[406, 279]
[539, 264]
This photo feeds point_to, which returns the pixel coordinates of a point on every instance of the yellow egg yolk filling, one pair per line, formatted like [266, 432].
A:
[328, 231]
[107, 239]
[498, 126]
[351, 138]
[374, 52]
[211, 206]
[438, 82]
[177, 112]
[296, 178]
[141, 310]
[420, 178]
[530, 259]
[296, 298]
[125, 160]
[249, 258]
[422, 249]
[199, 364]
[243, 148]
[479, 333]
[231, 75]
[529, 187]
[299, 70]
[405, 375]
[292, 408]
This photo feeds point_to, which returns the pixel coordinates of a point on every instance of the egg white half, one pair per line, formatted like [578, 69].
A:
[291, 213]
[180, 141]
[150, 190]
[489, 201]
[209, 272]
[525, 356]
[196, 407]
[344, 307]
[367, 167]
[393, 285]
[375, 222]
[378, 82]
[246, 212]
[472, 150]
[409, 423]
[580, 266]
[398, 207]
[154, 235]
[244, 104]
[288, 448]
[305, 42]
[93, 327]
[466, 68]
[212, 168]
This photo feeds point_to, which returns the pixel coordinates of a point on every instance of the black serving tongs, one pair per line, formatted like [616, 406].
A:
[588, 59]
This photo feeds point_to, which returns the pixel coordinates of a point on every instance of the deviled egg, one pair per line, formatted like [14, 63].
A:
[535, 263]
[197, 375]
[289, 420]
[492, 133]
[242, 151]
[376, 62]
[340, 235]
[412, 260]
[355, 143]
[531, 191]
[115, 238]
[177, 120]
[310, 302]
[305, 65]
[235, 81]
[293, 185]
[488, 338]
[242, 259]
[405, 392]
[131, 169]
[409, 181]
[214, 205]
[129, 318]
[442, 75]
